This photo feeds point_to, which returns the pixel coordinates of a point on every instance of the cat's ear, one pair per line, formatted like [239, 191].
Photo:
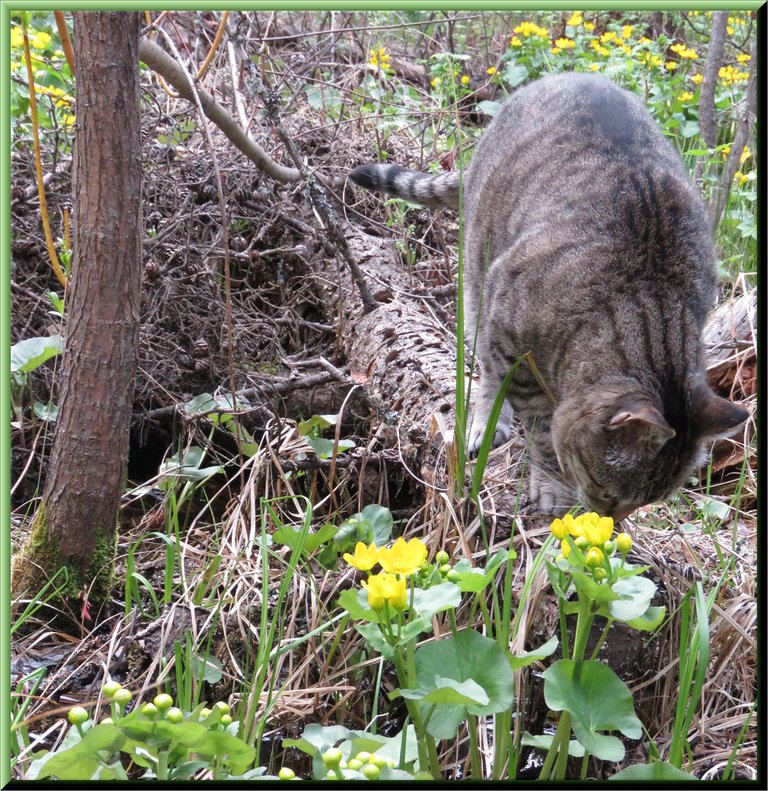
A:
[713, 417]
[642, 423]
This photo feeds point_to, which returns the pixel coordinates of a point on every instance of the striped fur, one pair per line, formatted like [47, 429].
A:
[586, 244]
[432, 191]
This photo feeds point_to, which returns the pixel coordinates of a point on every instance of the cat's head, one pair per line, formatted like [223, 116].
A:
[620, 450]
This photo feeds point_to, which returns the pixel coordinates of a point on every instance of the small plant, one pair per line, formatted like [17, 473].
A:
[156, 737]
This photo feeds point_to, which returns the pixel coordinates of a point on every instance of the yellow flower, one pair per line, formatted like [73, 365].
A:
[609, 35]
[697, 78]
[643, 40]
[671, 65]
[379, 58]
[465, 79]
[742, 57]
[724, 151]
[596, 529]
[403, 557]
[590, 26]
[39, 40]
[565, 43]
[685, 96]
[68, 120]
[17, 36]
[626, 31]
[559, 529]
[383, 588]
[743, 178]
[565, 548]
[594, 67]
[594, 557]
[555, 50]
[745, 155]
[624, 543]
[515, 42]
[626, 49]
[527, 29]
[575, 19]
[435, 82]
[491, 70]
[365, 558]
[729, 30]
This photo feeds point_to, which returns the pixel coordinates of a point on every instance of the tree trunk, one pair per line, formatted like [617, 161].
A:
[75, 524]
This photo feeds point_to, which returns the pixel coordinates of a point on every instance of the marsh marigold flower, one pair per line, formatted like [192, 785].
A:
[589, 26]
[465, 79]
[626, 31]
[558, 529]
[403, 557]
[624, 543]
[383, 588]
[365, 558]
[565, 43]
[491, 70]
[575, 19]
[596, 529]
[697, 78]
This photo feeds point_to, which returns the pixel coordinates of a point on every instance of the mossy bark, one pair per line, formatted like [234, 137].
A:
[41, 560]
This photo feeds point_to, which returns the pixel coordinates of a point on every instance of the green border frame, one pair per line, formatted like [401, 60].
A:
[6, 6]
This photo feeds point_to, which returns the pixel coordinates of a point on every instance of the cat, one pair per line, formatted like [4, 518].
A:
[587, 245]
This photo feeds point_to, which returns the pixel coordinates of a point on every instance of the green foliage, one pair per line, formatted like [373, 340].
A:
[169, 744]
[324, 448]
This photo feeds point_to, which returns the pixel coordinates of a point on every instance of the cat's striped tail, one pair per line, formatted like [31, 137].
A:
[432, 191]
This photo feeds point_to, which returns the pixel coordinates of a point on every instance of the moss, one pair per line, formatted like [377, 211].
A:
[40, 559]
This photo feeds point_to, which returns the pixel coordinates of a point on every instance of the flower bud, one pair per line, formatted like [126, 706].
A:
[442, 557]
[163, 701]
[624, 542]
[332, 757]
[355, 764]
[77, 715]
[110, 688]
[599, 573]
[559, 529]
[445, 568]
[286, 773]
[122, 696]
[226, 719]
[609, 546]
[371, 771]
[149, 710]
[594, 557]
[363, 756]
[221, 707]
[174, 715]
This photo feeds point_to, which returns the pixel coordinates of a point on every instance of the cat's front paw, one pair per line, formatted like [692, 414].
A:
[548, 496]
[477, 431]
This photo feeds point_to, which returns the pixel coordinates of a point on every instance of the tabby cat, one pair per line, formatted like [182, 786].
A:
[586, 244]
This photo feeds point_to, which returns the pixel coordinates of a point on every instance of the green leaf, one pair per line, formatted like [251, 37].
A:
[82, 761]
[199, 405]
[536, 655]
[655, 772]
[472, 579]
[438, 598]
[635, 594]
[451, 692]
[317, 423]
[598, 700]
[468, 656]
[324, 447]
[689, 128]
[515, 74]
[207, 669]
[316, 739]
[544, 742]
[49, 411]
[592, 589]
[308, 541]
[29, 354]
[355, 602]
[650, 620]
[488, 107]
[232, 750]
[372, 524]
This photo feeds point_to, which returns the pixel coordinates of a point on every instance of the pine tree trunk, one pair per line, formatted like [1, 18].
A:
[76, 521]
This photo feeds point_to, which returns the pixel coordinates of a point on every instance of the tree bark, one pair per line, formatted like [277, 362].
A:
[707, 118]
[76, 521]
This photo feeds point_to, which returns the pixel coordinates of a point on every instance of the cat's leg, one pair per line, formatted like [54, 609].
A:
[550, 493]
[483, 405]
